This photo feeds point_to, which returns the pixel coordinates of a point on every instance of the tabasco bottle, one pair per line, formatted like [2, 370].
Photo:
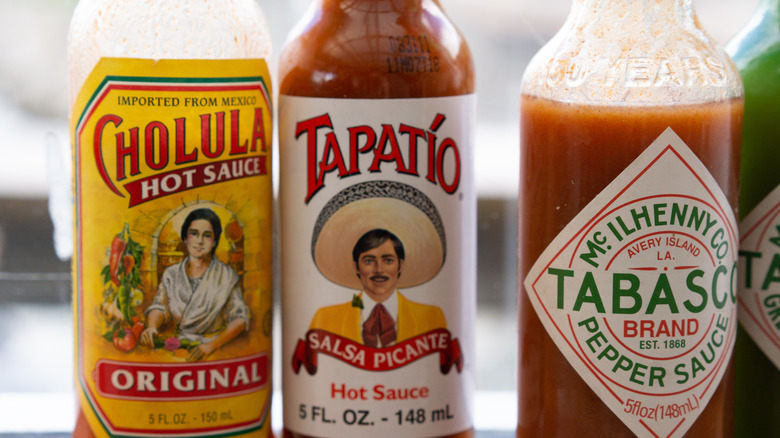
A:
[171, 135]
[630, 138]
[756, 52]
[376, 131]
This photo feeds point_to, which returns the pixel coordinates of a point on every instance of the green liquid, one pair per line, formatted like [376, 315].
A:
[760, 170]
[757, 55]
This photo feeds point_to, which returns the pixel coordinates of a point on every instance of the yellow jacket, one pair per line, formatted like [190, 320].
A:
[413, 319]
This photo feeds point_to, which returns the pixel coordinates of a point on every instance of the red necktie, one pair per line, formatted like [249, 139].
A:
[379, 325]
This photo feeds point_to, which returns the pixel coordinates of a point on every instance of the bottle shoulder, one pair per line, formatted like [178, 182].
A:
[376, 54]
[164, 29]
[757, 42]
[632, 63]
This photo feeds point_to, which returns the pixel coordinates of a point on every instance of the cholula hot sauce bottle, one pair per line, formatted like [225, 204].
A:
[171, 134]
[377, 112]
[630, 136]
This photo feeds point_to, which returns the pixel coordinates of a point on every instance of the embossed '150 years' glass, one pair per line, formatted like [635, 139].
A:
[630, 136]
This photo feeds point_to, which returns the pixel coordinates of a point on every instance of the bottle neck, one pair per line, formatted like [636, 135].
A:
[372, 5]
[670, 5]
[632, 52]
[769, 7]
[650, 13]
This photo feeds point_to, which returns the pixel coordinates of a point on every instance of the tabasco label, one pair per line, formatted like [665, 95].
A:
[172, 269]
[378, 265]
[759, 288]
[639, 290]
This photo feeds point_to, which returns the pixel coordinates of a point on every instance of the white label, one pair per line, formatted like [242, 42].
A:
[759, 289]
[639, 290]
[348, 168]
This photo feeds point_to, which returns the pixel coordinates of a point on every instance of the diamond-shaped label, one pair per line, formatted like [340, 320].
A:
[639, 290]
[759, 288]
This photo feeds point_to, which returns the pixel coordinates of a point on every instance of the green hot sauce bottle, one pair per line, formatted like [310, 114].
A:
[756, 52]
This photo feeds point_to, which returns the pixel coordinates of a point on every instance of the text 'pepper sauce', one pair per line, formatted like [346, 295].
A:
[631, 122]
[570, 155]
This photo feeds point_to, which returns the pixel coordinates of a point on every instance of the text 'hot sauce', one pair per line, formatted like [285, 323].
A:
[378, 222]
[171, 135]
[628, 240]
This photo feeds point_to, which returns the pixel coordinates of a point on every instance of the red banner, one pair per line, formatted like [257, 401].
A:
[147, 381]
[378, 359]
[179, 180]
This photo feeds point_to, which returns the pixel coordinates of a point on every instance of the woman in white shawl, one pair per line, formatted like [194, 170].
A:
[200, 294]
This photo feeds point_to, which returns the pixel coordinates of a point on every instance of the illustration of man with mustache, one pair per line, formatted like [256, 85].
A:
[379, 316]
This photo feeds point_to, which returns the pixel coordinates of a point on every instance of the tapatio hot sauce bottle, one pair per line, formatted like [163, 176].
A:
[171, 134]
[377, 113]
[756, 52]
[630, 131]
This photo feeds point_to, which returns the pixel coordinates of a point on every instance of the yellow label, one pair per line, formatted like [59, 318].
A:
[172, 269]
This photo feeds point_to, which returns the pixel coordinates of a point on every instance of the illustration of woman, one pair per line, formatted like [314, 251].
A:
[200, 295]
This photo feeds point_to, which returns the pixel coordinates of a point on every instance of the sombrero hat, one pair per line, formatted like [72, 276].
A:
[399, 208]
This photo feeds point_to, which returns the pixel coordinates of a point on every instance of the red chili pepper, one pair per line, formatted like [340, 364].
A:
[128, 262]
[137, 329]
[117, 248]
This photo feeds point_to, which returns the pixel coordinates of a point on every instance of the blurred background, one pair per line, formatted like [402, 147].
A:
[35, 321]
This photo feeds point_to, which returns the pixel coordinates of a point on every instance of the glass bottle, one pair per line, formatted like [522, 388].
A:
[630, 132]
[756, 52]
[171, 133]
[376, 114]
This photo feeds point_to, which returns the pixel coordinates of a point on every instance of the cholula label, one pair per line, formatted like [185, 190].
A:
[172, 269]
[759, 288]
[639, 290]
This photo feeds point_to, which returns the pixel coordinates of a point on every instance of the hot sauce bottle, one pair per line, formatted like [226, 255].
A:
[630, 138]
[756, 52]
[377, 113]
[171, 134]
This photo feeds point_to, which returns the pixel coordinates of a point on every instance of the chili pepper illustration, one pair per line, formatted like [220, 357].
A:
[117, 249]
[128, 262]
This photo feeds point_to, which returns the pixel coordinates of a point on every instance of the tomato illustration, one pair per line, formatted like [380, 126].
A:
[125, 340]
